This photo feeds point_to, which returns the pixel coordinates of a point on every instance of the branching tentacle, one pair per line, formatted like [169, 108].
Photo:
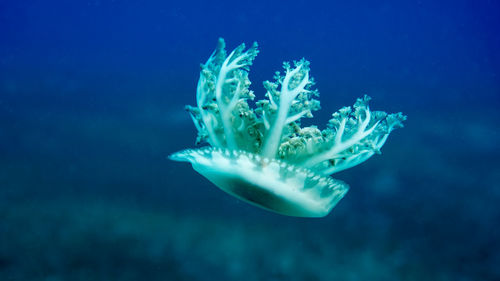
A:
[224, 119]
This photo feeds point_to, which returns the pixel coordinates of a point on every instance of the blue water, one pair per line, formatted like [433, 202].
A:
[91, 103]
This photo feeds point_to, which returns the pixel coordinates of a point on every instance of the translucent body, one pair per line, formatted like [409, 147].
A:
[264, 156]
[269, 184]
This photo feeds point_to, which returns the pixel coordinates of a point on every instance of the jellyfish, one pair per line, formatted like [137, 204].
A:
[263, 155]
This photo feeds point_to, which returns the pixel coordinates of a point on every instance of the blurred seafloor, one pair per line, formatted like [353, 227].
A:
[89, 195]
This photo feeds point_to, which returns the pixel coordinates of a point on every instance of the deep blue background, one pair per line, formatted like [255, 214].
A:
[413, 48]
[91, 102]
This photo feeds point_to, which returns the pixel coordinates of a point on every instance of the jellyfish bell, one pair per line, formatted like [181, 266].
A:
[270, 184]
